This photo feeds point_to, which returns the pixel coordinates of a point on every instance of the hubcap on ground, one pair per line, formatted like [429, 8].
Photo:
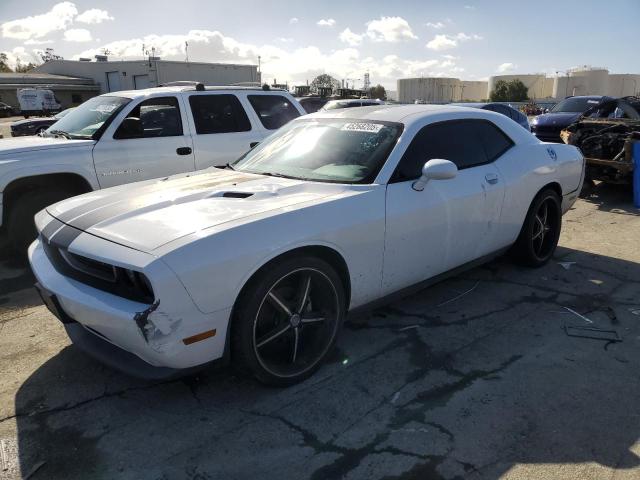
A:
[296, 322]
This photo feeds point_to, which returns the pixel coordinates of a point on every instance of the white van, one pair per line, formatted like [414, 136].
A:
[35, 101]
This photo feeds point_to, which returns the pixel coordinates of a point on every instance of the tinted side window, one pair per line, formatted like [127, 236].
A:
[273, 110]
[218, 114]
[159, 117]
[494, 140]
[456, 140]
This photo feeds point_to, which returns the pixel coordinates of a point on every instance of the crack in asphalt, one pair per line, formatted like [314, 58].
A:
[67, 407]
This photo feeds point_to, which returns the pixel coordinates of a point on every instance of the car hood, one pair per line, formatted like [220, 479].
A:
[559, 119]
[10, 146]
[148, 215]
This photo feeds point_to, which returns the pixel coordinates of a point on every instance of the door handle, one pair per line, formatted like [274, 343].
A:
[253, 144]
[183, 150]
[491, 178]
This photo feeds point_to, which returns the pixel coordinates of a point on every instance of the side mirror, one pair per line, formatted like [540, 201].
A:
[436, 169]
[131, 127]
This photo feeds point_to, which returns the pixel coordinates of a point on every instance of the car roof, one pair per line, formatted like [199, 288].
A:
[389, 113]
[188, 88]
[410, 115]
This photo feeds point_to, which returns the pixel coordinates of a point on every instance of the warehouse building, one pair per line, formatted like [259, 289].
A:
[112, 76]
[70, 91]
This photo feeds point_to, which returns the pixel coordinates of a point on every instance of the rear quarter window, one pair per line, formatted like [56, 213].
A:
[218, 114]
[273, 110]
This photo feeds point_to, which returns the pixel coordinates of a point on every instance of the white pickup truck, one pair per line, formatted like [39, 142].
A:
[130, 136]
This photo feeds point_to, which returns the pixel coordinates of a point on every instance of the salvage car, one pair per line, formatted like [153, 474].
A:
[35, 125]
[605, 135]
[259, 263]
[547, 127]
[129, 136]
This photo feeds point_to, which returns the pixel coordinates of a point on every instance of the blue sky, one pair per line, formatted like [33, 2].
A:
[468, 39]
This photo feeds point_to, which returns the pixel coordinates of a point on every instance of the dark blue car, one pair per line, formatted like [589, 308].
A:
[547, 127]
[505, 110]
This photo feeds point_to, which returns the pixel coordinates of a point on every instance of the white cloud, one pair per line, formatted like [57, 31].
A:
[464, 37]
[38, 42]
[350, 38]
[22, 54]
[390, 29]
[442, 42]
[93, 15]
[450, 57]
[293, 20]
[77, 35]
[285, 39]
[506, 67]
[437, 25]
[38, 26]
[294, 65]
[469, 7]
[446, 42]
[329, 22]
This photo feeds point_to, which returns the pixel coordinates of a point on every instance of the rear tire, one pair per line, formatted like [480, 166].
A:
[21, 227]
[287, 320]
[540, 232]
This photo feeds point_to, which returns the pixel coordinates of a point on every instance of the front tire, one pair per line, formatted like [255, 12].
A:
[21, 227]
[288, 320]
[540, 232]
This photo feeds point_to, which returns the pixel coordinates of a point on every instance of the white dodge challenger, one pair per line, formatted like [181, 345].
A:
[258, 263]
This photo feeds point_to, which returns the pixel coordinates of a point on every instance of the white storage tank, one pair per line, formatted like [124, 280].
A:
[588, 81]
[428, 89]
[623, 84]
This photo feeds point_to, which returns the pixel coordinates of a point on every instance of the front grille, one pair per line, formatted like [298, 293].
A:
[102, 276]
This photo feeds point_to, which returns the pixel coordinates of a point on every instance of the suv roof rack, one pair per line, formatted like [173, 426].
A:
[184, 83]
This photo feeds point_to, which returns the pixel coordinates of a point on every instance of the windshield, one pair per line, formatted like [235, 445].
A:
[85, 120]
[575, 104]
[324, 150]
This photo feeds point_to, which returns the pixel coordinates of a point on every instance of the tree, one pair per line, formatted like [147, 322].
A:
[49, 55]
[4, 63]
[512, 91]
[24, 67]
[378, 92]
[324, 81]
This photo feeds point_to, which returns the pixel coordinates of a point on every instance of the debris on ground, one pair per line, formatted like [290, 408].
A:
[579, 315]
[35, 468]
[594, 333]
[408, 328]
[566, 265]
[458, 296]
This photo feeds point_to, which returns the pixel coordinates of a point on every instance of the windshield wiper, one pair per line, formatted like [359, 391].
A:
[229, 166]
[62, 133]
[274, 174]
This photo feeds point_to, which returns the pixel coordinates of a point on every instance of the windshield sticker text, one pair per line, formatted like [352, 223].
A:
[362, 127]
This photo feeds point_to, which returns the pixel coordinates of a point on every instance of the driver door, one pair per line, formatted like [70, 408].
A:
[158, 148]
[451, 222]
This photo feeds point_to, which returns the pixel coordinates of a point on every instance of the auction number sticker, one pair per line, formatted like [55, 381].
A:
[362, 127]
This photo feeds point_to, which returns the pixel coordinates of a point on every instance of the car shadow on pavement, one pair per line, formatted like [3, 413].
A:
[472, 378]
[611, 198]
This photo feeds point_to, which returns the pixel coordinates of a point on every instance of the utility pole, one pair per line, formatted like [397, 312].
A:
[186, 51]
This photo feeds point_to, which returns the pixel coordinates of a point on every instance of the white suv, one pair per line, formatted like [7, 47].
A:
[129, 136]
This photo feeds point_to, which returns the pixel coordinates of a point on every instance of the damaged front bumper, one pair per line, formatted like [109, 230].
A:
[142, 340]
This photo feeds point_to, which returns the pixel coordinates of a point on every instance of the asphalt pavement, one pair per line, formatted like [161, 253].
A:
[475, 377]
